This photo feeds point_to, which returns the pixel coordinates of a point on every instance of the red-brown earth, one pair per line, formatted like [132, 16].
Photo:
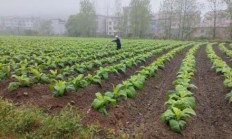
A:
[140, 117]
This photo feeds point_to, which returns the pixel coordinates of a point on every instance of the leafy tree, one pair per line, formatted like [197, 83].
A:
[119, 15]
[215, 6]
[45, 28]
[85, 23]
[140, 16]
[229, 14]
[179, 18]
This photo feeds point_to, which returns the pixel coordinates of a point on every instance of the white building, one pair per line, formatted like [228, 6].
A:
[58, 26]
[107, 25]
[18, 23]
[112, 26]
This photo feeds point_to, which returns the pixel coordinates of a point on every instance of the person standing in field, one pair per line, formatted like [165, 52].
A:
[118, 42]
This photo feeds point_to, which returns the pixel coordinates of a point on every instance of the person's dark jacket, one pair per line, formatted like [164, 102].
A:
[118, 42]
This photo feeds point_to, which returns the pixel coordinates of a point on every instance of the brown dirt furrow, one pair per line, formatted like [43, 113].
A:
[146, 108]
[93, 71]
[41, 96]
[214, 114]
[222, 55]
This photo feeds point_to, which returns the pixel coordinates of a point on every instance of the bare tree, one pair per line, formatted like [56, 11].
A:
[181, 17]
[215, 6]
[140, 17]
[119, 15]
[229, 14]
[167, 10]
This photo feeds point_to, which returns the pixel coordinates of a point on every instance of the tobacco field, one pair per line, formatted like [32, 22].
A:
[150, 89]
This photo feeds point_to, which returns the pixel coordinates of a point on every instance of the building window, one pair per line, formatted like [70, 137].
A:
[110, 28]
[110, 23]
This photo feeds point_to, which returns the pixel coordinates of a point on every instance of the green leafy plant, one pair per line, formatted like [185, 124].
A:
[221, 67]
[124, 90]
[101, 102]
[181, 102]
[93, 79]
[77, 83]
[59, 88]
[40, 77]
[176, 118]
[138, 81]
[127, 88]
[103, 73]
[22, 81]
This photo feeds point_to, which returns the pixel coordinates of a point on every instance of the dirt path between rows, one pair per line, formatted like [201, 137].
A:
[222, 55]
[148, 105]
[214, 114]
[41, 96]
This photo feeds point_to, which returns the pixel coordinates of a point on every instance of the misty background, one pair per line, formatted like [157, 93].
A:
[157, 19]
[62, 8]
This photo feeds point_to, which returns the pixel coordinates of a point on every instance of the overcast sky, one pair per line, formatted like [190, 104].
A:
[56, 8]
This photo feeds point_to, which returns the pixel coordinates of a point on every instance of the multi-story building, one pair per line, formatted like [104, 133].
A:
[58, 26]
[112, 24]
[18, 24]
[107, 25]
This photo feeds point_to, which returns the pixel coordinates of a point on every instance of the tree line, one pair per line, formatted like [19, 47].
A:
[178, 19]
[133, 21]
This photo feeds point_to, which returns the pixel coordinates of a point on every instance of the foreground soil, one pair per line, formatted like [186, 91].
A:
[40, 95]
[140, 117]
[148, 105]
[214, 114]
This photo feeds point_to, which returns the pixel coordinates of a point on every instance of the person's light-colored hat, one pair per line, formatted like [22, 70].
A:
[116, 36]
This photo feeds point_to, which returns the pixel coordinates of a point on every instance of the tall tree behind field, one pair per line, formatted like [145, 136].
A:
[140, 16]
[45, 28]
[167, 11]
[214, 6]
[189, 16]
[85, 23]
[229, 14]
[125, 22]
[119, 14]
[179, 17]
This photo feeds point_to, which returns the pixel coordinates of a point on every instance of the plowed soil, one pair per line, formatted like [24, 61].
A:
[140, 117]
[148, 105]
[40, 95]
[214, 114]
[223, 56]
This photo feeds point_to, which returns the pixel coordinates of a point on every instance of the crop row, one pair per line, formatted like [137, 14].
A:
[181, 102]
[25, 81]
[221, 67]
[103, 73]
[127, 89]
[225, 50]
[24, 66]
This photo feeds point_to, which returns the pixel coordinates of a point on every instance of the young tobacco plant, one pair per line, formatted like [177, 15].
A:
[181, 102]
[221, 67]
[40, 77]
[101, 102]
[176, 118]
[77, 83]
[59, 88]
[127, 88]
[22, 81]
